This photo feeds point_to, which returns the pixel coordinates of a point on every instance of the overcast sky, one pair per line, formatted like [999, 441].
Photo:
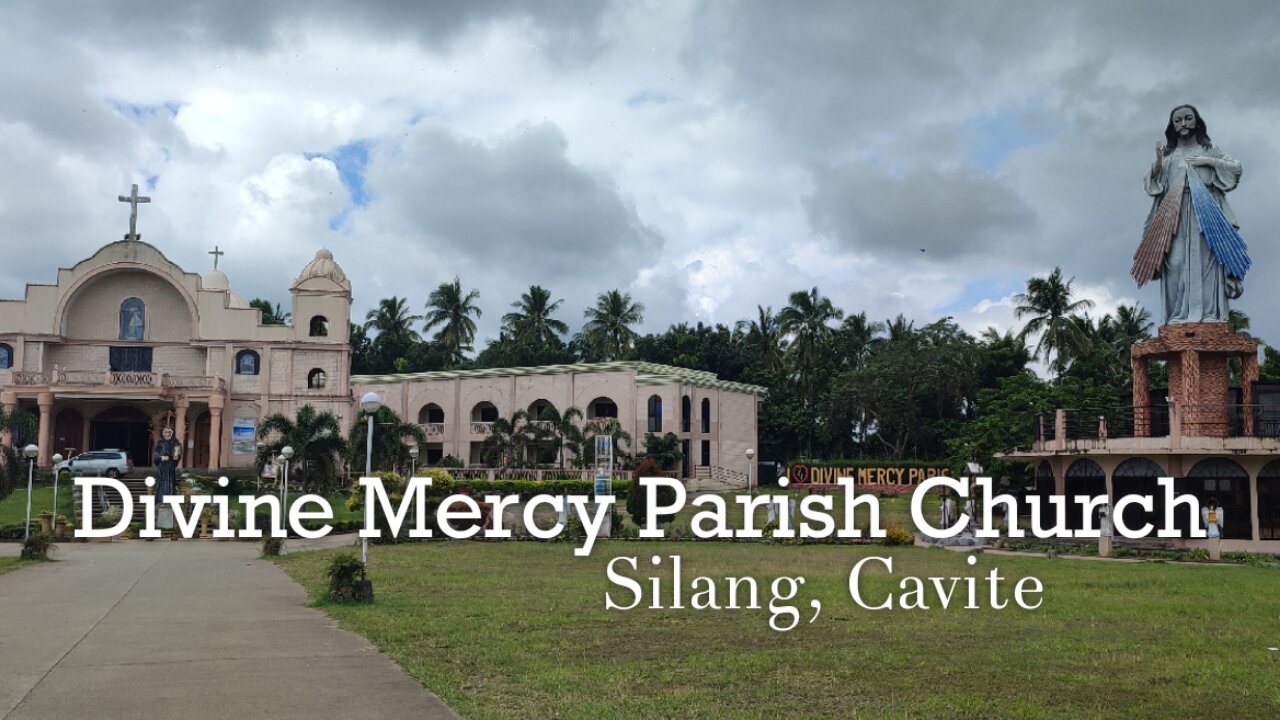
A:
[923, 158]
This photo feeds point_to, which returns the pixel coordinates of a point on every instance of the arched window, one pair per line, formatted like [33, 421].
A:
[247, 362]
[1085, 478]
[537, 407]
[602, 407]
[686, 414]
[133, 319]
[6, 356]
[1228, 483]
[319, 326]
[655, 414]
[316, 379]
[706, 415]
[1269, 501]
[430, 413]
[484, 411]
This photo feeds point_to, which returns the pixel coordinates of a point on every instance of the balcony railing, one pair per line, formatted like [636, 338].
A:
[110, 378]
[1157, 421]
[432, 429]
[481, 428]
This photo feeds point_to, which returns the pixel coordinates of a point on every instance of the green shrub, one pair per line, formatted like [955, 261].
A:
[1200, 554]
[895, 535]
[637, 501]
[272, 546]
[345, 571]
[38, 546]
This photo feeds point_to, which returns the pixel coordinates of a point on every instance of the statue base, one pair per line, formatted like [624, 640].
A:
[1197, 355]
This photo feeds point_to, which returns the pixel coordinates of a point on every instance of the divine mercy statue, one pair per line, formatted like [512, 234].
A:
[1191, 240]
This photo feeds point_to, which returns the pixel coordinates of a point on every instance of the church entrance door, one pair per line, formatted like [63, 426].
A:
[200, 449]
[124, 428]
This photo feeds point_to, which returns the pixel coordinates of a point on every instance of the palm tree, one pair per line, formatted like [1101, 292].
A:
[392, 320]
[857, 337]
[1048, 302]
[450, 310]
[806, 319]
[1239, 322]
[532, 322]
[270, 315]
[1133, 323]
[764, 337]
[390, 452]
[316, 439]
[560, 430]
[607, 334]
[508, 441]
[22, 427]
[603, 426]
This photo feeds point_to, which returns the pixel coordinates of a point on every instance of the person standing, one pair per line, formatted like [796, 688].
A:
[165, 458]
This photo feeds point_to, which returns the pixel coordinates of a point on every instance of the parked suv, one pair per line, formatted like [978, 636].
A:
[98, 463]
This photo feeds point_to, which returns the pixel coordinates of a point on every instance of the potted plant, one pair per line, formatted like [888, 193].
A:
[109, 518]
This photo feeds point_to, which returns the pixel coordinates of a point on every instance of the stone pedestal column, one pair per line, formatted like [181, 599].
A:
[1141, 397]
[10, 403]
[215, 432]
[180, 407]
[45, 402]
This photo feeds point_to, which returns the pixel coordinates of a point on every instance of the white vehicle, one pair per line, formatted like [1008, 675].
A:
[97, 463]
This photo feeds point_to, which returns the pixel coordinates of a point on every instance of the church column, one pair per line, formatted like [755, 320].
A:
[10, 402]
[1249, 376]
[45, 402]
[1141, 397]
[180, 427]
[215, 431]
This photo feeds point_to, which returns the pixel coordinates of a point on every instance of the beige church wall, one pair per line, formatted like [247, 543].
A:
[670, 395]
[737, 431]
[473, 391]
[93, 310]
[178, 360]
[440, 392]
[555, 389]
[245, 384]
[32, 359]
[617, 386]
[78, 357]
[329, 362]
[335, 309]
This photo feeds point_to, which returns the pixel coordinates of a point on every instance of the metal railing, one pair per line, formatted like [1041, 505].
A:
[1154, 421]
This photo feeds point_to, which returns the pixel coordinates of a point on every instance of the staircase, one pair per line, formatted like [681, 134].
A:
[102, 497]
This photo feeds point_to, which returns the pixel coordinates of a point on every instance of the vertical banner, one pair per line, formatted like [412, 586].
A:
[244, 436]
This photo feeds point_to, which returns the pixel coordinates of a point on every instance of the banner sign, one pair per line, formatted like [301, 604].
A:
[802, 474]
[244, 436]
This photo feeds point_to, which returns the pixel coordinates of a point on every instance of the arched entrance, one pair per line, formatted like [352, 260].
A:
[1139, 476]
[1228, 483]
[68, 431]
[1085, 478]
[125, 428]
[1269, 502]
[200, 450]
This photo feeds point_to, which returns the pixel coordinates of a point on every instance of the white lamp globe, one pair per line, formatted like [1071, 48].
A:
[370, 402]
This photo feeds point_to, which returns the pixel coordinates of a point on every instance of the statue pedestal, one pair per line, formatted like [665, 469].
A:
[1197, 355]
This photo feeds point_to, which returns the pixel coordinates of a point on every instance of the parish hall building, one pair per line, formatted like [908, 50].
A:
[126, 343]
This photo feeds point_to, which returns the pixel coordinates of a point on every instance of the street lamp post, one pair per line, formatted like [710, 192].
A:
[370, 403]
[751, 453]
[413, 460]
[287, 453]
[57, 458]
[30, 452]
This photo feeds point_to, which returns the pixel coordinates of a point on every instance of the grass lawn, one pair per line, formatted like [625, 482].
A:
[9, 564]
[13, 509]
[519, 630]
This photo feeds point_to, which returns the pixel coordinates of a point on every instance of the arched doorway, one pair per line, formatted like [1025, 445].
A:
[124, 428]
[1139, 476]
[1085, 478]
[200, 449]
[1228, 483]
[1269, 502]
[68, 431]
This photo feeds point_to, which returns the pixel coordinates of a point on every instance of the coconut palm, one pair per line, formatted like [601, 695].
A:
[508, 441]
[532, 322]
[390, 436]
[607, 334]
[450, 310]
[560, 430]
[392, 319]
[318, 446]
[1054, 317]
[807, 320]
[764, 337]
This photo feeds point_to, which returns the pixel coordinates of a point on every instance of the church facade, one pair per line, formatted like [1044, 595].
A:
[126, 343]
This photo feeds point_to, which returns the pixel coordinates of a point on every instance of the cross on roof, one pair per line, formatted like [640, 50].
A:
[216, 253]
[133, 199]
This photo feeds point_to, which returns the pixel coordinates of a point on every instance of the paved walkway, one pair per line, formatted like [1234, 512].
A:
[189, 630]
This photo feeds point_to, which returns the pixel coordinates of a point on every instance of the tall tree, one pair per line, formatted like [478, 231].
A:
[607, 334]
[22, 427]
[393, 319]
[560, 430]
[390, 451]
[532, 322]
[1048, 303]
[451, 311]
[764, 338]
[271, 315]
[807, 319]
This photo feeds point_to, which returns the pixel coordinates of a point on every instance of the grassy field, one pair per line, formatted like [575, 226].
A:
[9, 564]
[519, 630]
[13, 509]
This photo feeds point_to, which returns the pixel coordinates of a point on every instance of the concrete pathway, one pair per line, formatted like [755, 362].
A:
[189, 630]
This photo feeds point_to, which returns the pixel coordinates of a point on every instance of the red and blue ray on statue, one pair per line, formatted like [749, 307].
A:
[1224, 241]
[1220, 235]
